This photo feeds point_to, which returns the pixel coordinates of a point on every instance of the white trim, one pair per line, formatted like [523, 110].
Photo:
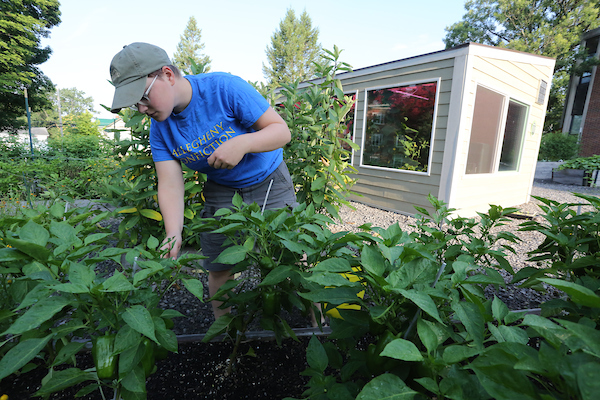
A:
[437, 81]
[453, 127]
[460, 51]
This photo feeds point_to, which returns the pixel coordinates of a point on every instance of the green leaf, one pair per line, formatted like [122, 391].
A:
[588, 380]
[470, 316]
[511, 334]
[189, 214]
[332, 265]
[166, 338]
[140, 320]
[117, 283]
[499, 309]
[332, 279]
[126, 338]
[402, 349]
[579, 294]
[386, 387]
[8, 254]
[195, 287]
[276, 275]
[456, 353]
[94, 237]
[81, 274]
[61, 380]
[232, 255]
[373, 261]
[590, 336]
[21, 354]
[34, 233]
[427, 335]
[424, 302]
[135, 380]
[335, 296]
[38, 313]
[218, 327]
[68, 351]
[36, 251]
[552, 332]
[316, 356]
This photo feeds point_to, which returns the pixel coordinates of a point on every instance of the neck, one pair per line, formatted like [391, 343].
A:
[184, 95]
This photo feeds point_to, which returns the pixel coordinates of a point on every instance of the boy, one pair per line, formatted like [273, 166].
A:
[215, 123]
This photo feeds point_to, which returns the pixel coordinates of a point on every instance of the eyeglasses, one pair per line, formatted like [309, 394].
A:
[145, 100]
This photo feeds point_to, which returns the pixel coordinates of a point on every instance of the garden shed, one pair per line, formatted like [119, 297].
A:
[462, 124]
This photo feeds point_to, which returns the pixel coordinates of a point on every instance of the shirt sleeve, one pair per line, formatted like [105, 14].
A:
[245, 102]
[158, 147]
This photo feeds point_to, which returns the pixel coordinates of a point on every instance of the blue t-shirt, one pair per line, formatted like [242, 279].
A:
[222, 106]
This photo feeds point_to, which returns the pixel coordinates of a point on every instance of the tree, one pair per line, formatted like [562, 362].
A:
[293, 52]
[73, 101]
[545, 27]
[189, 49]
[23, 23]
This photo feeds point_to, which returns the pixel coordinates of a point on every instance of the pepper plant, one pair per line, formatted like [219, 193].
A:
[280, 246]
[425, 329]
[56, 294]
[316, 115]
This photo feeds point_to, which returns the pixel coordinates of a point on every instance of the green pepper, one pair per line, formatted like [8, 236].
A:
[271, 303]
[148, 359]
[105, 361]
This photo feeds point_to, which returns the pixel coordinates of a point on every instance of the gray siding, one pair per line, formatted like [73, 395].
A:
[396, 189]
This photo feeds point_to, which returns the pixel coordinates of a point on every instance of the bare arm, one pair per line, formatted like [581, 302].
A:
[271, 133]
[170, 198]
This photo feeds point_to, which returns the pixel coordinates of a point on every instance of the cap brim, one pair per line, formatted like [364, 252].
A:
[128, 94]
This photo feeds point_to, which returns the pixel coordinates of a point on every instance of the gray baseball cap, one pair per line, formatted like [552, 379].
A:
[129, 69]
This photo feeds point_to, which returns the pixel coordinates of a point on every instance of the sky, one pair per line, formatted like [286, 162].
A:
[236, 34]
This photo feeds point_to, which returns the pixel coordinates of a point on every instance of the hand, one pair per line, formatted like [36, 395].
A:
[173, 244]
[229, 153]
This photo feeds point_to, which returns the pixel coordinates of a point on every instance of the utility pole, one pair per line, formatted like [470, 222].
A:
[60, 124]
[29, 122]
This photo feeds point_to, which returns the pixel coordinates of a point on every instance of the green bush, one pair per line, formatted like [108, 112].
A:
[53, 177]
[78, 146]
[586, 163]
[558, 146]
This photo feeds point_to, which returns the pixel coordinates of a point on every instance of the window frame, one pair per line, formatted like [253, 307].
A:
[506, 100]
[437, 81]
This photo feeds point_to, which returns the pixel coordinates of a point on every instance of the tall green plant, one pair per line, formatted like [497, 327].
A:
[316, 115]
[133, 188]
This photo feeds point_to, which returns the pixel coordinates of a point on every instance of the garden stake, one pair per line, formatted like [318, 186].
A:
[266, 196]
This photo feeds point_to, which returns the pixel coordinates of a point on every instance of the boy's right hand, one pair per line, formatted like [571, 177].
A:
[172, 243]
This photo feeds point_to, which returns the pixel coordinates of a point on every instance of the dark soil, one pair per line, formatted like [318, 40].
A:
[199, 371]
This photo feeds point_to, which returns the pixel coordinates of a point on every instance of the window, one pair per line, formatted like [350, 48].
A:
[497, 133]
[399, 127]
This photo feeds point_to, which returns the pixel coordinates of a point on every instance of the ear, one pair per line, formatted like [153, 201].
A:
[169, 74]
